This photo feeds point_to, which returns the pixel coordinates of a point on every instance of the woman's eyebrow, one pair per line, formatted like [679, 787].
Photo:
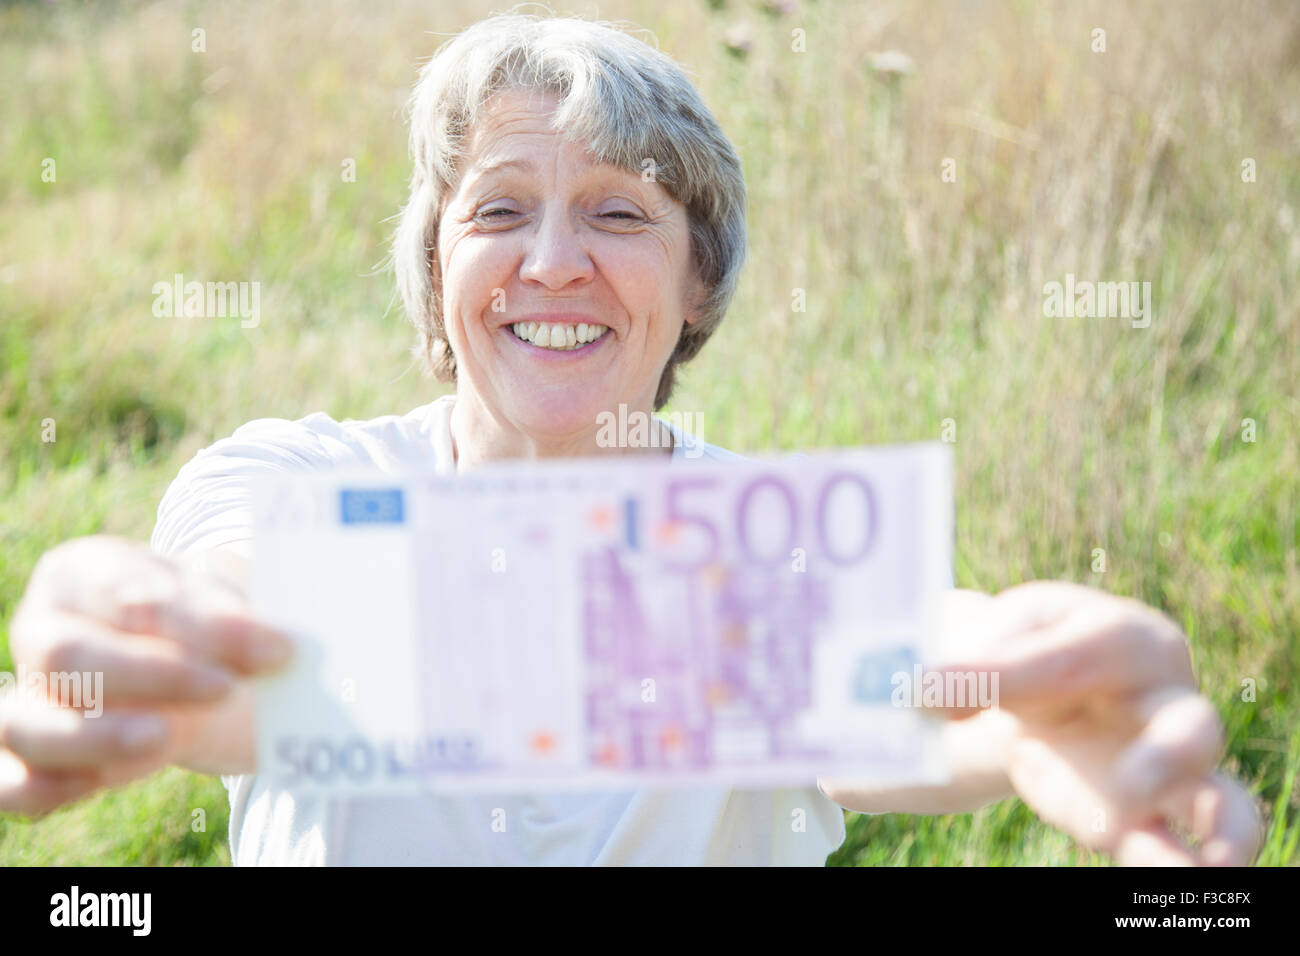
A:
[601, 172]
[476, 174]
[499, 165]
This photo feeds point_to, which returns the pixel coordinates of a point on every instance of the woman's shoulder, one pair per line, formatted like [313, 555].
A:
[688, 446]
[208, 503]
[318, 439]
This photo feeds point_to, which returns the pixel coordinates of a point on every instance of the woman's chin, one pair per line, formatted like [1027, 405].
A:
[560, 416]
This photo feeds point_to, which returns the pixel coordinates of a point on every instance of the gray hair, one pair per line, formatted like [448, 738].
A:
[624, 100]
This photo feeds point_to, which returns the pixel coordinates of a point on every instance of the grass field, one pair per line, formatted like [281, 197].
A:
[924, 302]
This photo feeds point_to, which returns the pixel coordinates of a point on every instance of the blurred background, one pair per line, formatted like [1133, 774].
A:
[214, 140]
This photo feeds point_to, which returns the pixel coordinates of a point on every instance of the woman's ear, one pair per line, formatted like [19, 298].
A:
[695, 296]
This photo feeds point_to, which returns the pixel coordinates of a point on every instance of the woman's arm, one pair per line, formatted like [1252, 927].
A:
[222, 739]
[172, 647]
[1098, 726]
[976, 752]
[975, 748]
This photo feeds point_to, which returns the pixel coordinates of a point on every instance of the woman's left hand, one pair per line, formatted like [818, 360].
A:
[1108, 737]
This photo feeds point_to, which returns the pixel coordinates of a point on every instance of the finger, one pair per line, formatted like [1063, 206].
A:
[208, 617]
[86, 663]
[85, 575]
[1152, 844]
[1060, 789]
[131, 589]
[1222, 815]
[35, 794]
[1181, 739]
[60, 739]
[1112, 649]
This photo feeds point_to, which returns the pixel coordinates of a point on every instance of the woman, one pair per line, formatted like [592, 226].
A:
[574, 232]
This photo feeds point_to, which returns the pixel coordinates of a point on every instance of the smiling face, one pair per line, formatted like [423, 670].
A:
[539, 239]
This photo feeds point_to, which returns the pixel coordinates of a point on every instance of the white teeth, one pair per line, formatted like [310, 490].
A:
[560, 337]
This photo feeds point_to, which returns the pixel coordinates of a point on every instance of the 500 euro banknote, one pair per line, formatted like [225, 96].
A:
[587, 624]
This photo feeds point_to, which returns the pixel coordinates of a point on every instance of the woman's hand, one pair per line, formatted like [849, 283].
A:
[161, 647]
[1106, 735]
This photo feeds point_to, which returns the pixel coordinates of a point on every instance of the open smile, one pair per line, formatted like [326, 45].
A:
[558, 336]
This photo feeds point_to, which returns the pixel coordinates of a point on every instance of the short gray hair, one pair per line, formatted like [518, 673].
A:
[625, 100]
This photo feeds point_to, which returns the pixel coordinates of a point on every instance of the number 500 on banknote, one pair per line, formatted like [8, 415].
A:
[586, 624]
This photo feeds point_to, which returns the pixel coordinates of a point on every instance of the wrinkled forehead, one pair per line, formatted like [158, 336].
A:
[515, 121]
[597, 124]
[518, 130]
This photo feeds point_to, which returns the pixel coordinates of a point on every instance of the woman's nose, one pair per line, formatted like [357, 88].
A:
[556, 256]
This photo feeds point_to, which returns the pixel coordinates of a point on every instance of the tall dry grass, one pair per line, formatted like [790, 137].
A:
[924, 299]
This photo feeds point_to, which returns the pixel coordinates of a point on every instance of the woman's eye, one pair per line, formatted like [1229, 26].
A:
[497, 212]
[621, 214]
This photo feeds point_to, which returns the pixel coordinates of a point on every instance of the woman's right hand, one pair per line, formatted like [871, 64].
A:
[164, 648]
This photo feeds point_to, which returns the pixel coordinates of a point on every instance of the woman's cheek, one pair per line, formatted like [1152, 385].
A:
[479, 269]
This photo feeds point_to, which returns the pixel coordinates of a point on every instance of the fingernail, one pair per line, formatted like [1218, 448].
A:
[142, 733]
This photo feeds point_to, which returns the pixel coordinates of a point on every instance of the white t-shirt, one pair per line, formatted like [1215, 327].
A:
[207, 506]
